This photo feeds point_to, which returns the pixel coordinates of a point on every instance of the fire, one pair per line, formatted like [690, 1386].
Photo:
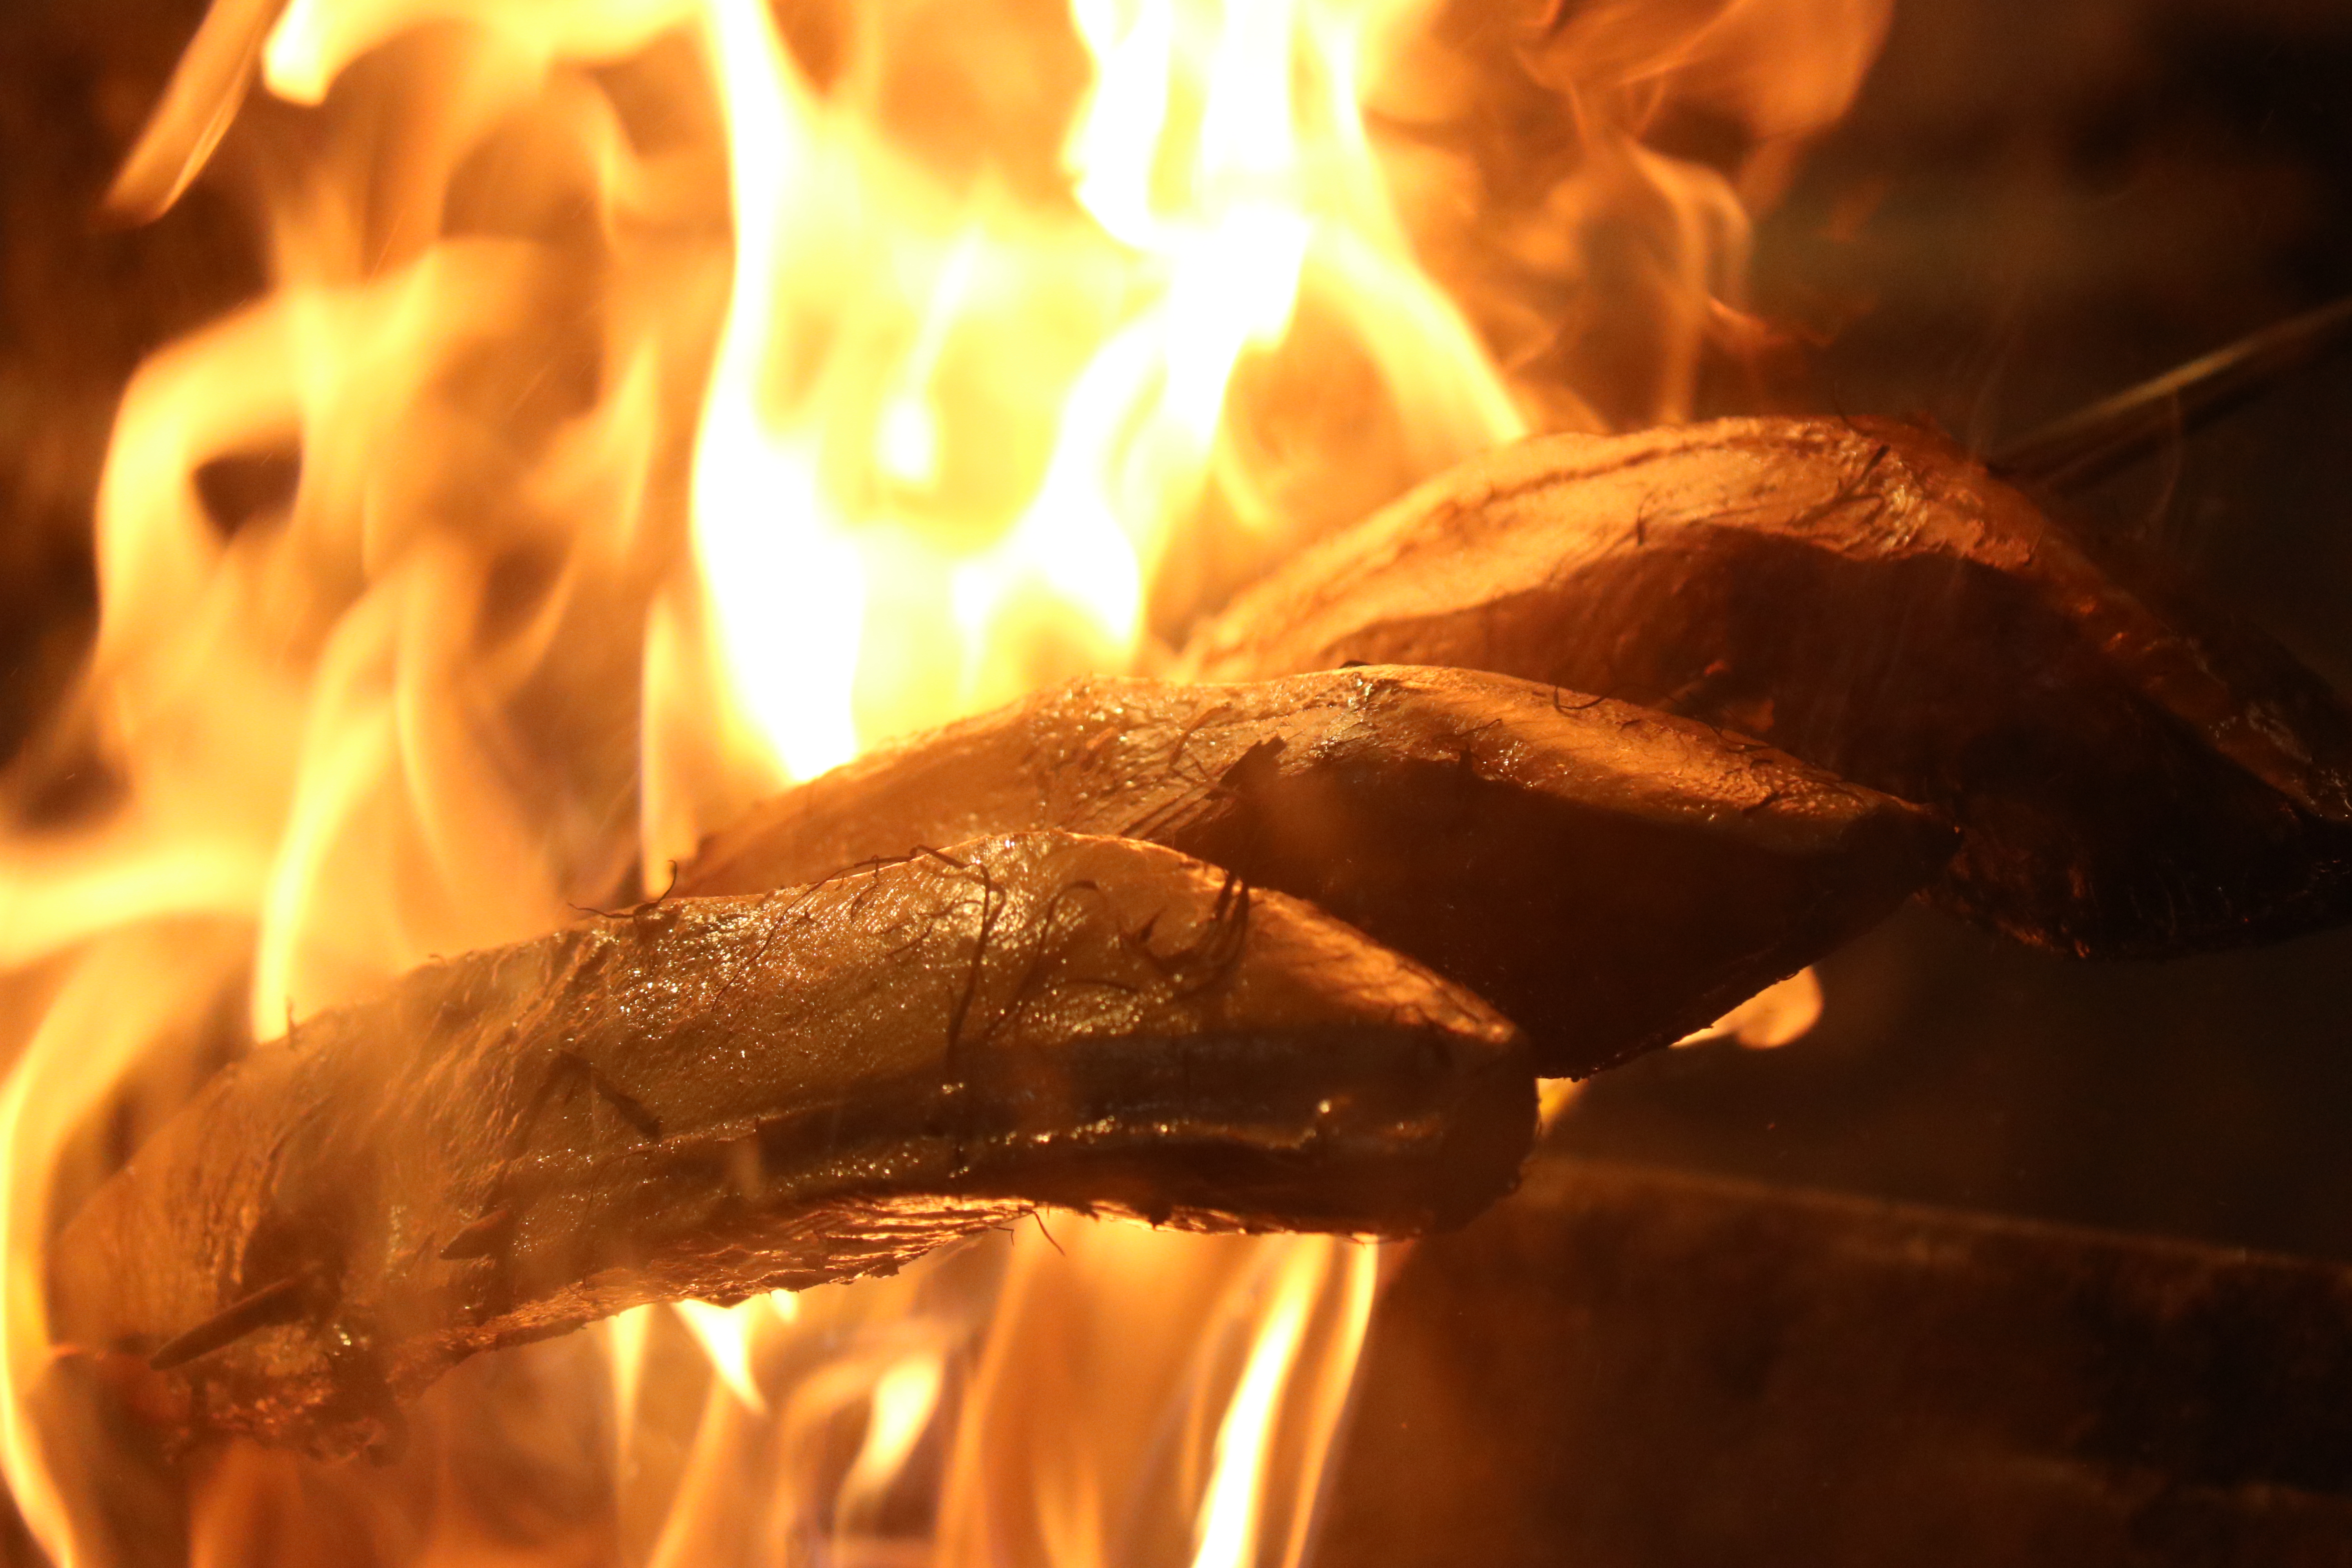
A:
[673, 397]
[952, 431]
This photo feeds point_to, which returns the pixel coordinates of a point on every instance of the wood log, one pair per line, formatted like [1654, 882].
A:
[714, 1096]
[1634, 1368]
[2133, 775]
[1610, 879]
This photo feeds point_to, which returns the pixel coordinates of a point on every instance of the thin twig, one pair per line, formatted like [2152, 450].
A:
[2092, 443]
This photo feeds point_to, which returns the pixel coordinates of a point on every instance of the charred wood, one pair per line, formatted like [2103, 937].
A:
[2133, 775]
[714, 1096]
[1610, 878]
[1635, 1368]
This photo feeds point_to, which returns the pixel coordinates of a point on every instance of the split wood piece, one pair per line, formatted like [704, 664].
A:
[1610, 879]
[714, 1096]
[2133, 776]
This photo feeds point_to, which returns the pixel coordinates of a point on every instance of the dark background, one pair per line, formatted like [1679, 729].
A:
[2035, 202]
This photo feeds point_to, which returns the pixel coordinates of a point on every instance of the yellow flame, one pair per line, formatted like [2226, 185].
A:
[727, 1334]
[670, 406]
[1229, 1513]
[905, 1399]
[1783, 1012]
[862, 583]
[626, 1334]
[1230, 1532]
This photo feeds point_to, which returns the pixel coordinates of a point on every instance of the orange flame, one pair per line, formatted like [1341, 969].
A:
[675, 396]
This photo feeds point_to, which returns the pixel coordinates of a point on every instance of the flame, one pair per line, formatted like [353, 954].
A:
[952, 432]
[664, 399]
[1207, 1378]
[727, 1334]
[1231, 1521]
[1783, 1012]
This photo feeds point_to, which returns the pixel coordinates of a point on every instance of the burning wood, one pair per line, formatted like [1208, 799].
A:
[2133, 776]
[714, 1096]
[1610, 879]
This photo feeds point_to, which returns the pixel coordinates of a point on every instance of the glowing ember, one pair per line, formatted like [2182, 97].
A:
[686, 394]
